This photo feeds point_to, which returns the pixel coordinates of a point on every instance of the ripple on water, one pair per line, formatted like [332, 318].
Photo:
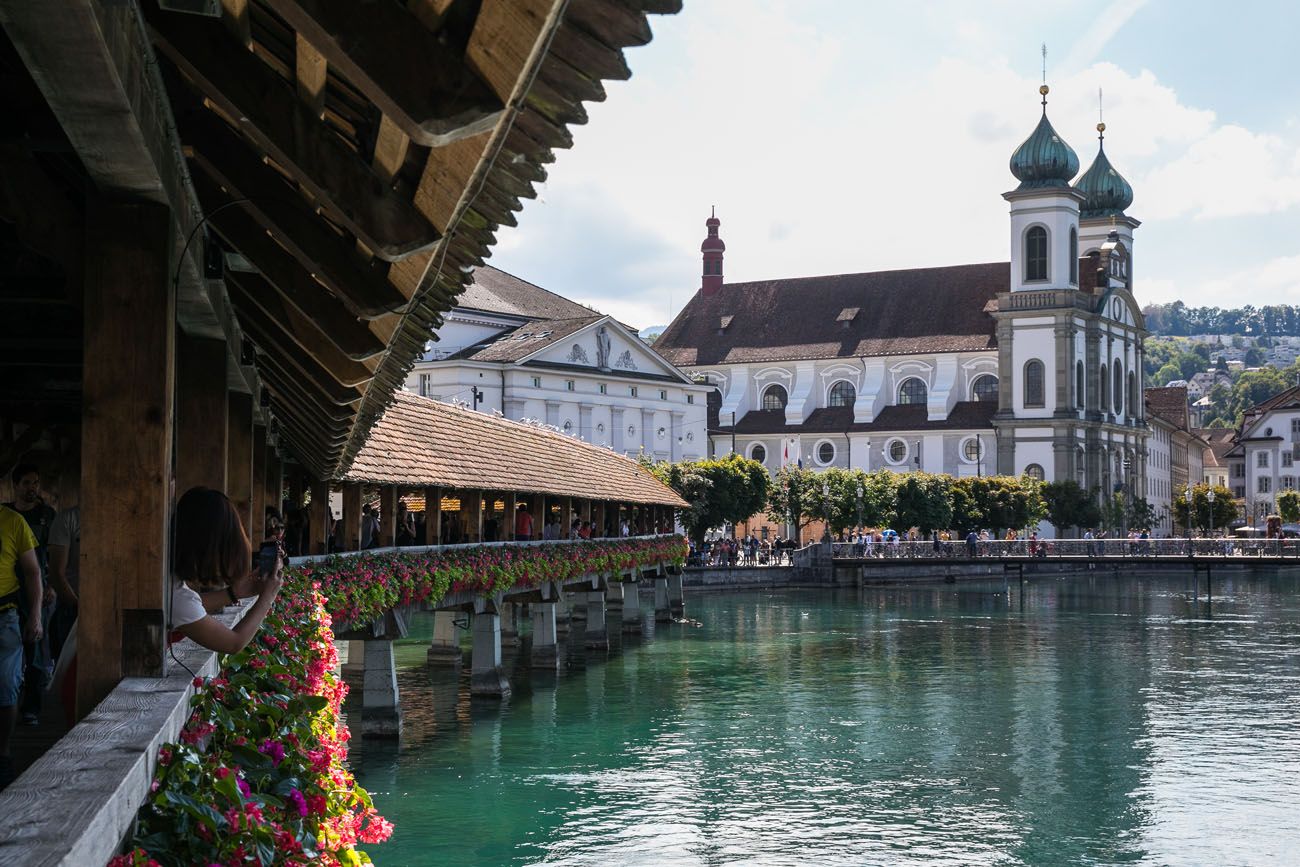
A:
[1100, 724]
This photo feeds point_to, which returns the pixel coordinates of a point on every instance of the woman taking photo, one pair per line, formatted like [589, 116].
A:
[212, 568]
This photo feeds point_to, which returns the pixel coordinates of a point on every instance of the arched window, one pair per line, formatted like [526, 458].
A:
[1074, 256]
[1104, 391]
[774, 397]
[842, 394]
[1036, 254]
[1035, 392]
[825, 452]
[1035, 472]
[1081, 466]
[1132, 394]
[911, 391]
[758, 453]
[1117, 393]
[1079, 394]
[985, 388]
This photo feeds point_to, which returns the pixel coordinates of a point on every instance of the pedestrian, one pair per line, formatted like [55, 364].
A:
[972, 545]
[38, 661]
[369, 528]
[523, 523]
[17, 558]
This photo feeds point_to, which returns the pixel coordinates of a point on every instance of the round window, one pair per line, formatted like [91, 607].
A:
[661, 433]
[759, 454]
[972, 449]
[600, 428]
[826, 453]
[631, 430]
[690, 437]
[897, 451]
[568, 427]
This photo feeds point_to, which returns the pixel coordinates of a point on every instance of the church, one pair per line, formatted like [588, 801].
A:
[1027, 366]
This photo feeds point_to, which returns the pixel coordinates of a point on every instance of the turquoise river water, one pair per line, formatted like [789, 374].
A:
[1096, 721]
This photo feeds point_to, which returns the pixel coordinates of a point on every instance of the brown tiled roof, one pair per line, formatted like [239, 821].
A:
[1170, 404]
[901, 312]
[527, 339]
[495, 291]
[1221, 441]
[965, 415]
[422, 442]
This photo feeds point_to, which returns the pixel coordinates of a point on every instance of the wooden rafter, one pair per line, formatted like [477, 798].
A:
[270, 114]
[232, 171]
[376, 45]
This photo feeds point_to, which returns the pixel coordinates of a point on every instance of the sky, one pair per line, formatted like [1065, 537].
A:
[841, 136]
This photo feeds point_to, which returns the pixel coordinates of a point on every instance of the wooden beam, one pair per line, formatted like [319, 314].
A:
[391, 145]
[319, 383]
[388, 515]
[317, 309]
[236, 18]
[318, 517]
[126, 445]
[201, 414]
[294, 259]
[274, 481]
[270, 114]
[415, 77]
[351, 516]
[433, 516]
[344, 370]
[239, 456]
[312, 72]
[257, 530]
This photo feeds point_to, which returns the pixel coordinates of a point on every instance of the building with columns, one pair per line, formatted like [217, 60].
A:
[513, 348]
[1031, 365]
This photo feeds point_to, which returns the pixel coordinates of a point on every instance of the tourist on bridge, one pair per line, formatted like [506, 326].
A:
[972, 545]
[40, 518]
[523, 523]
[17, 557]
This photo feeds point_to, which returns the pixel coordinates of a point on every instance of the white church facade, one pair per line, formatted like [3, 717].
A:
[513, 348]
[1026, 366]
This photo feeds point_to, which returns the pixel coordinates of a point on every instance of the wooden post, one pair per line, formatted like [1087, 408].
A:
[296, 486]
[433, 516]
[586, 513]
[318, 528]
[478, 516]
[126, 445]
[257, 530]
[200, 414]
[274, 481]
[239, 456]
[351, 516]
[538, 508]
[512, 509]
[566, 518]
[600, 529]
[388, 515]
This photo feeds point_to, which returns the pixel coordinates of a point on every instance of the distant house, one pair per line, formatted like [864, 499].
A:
[1176, 453]
[1262, 459]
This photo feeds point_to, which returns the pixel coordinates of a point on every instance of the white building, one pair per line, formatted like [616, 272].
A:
[1265, 458]
[520, 350]
[1032, 365]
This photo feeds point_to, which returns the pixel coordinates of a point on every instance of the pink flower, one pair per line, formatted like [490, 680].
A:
[298, 801]
[274, 749]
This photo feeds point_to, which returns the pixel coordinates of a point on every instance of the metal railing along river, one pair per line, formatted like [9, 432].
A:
[1071, 548]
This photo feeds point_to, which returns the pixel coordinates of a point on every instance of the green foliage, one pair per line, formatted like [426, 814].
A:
[795, 497]
[1178, 319]
[720, 492]
[1288, 506]
[1224, 512]
[1069, 505]
[923, 500]
[992, 503]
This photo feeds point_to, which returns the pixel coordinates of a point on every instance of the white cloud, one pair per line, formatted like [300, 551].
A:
[1230, 172]
[1104, 26]
[1275, 281]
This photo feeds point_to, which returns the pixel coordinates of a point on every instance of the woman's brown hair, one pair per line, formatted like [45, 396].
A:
[210, 548]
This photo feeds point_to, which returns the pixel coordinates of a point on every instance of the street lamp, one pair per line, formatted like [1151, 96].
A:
[917, 460]
[859, 507]
[1189, 510]
[1210, 496]
[826, 510]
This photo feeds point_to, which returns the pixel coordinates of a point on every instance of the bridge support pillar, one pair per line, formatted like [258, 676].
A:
[614, 593]
[546, 652]
[578, 611]
[676, 598]
[563, 607]
[381, 713]
[596, 637]
[663, 614]
[509, 624]
[486, 676]
[353, 670]
[444, 650]
[631, 606]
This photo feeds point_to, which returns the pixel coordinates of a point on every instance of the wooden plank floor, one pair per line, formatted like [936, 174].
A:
[29, 743]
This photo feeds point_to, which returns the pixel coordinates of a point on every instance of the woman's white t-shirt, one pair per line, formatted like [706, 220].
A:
[187, 606]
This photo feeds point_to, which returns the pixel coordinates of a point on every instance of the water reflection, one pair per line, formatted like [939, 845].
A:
[1081, 720]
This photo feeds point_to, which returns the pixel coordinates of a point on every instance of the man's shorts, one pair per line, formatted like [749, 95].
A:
[11, 658]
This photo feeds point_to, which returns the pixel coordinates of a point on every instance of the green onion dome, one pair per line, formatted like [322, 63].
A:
[1108, 194]
[1044, 159]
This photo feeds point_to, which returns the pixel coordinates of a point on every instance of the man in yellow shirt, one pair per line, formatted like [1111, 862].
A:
[17, 554]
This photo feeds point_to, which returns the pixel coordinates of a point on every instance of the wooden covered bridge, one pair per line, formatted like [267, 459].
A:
[226, 236]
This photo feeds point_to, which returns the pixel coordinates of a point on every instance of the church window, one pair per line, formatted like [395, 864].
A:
[1035, 472]
[825, 452]
[1105, 395]
[985, 388]
[774, 397]
[842, 394]
[1132, 393]
[603, 388]
[1074, 256]
[758, 453]
[1079, 393]
[911, 391]
[1035, 391]
[896, 451]
[1117, 394]
[1036, 254]
[972, 449]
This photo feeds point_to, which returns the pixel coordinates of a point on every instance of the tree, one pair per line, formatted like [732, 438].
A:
[1141, 514]
[1288, 506]
[1069, 505]
[721, 492]
[845, 510]
[794, 497]
[1225, 508]
[923, 501]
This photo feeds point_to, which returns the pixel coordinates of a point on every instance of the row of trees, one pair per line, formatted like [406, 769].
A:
[730, 490]
[1274, 320]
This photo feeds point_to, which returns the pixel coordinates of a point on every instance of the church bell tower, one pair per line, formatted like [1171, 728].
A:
[712, 250]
